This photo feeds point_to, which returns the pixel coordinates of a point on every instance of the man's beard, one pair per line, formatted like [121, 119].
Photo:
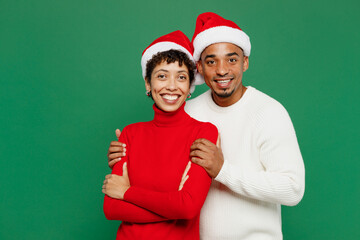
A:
[224, 94]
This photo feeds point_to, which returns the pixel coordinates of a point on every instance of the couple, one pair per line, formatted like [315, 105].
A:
[154, 189]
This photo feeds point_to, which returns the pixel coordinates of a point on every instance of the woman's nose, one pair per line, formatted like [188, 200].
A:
[171, 84]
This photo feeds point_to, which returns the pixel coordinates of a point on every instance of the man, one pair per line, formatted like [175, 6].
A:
[259, 167]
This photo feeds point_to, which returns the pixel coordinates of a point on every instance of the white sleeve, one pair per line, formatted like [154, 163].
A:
[282, 179]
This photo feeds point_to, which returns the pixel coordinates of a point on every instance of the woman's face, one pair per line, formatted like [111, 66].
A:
[170, 85]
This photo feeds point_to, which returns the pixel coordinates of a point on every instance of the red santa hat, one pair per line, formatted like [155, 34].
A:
[211, 28]
[176, 40]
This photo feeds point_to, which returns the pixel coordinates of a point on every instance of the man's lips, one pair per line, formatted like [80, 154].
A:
[223, 82]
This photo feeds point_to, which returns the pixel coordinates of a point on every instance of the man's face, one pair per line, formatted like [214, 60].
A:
[222, 65]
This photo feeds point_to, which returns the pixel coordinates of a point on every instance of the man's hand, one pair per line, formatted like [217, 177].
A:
[115, 186]
[207, 155]
[116, 150]
[185, 176]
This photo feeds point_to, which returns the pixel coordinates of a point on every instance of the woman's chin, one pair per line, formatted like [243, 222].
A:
[170, 106]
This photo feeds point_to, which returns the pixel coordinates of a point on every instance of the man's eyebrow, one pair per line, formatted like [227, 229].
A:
[232, 54]
[209, 56]
[228, 55]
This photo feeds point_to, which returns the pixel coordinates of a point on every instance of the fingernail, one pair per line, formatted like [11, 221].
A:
[124, 145]
[119, 159]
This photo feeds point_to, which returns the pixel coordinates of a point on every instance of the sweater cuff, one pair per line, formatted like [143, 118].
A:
[136, 195]
[221, 177]
[128, 194]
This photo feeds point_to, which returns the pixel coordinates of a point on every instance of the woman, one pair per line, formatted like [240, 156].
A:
[143, 189]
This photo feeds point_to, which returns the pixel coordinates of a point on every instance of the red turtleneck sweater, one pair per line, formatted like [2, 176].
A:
[158, 152]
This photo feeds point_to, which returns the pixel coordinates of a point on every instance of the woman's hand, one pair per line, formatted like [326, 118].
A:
[115, 186]
[185, 176]
[116, 150]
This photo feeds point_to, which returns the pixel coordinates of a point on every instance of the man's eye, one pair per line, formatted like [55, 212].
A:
[232, 60]
[210, 62]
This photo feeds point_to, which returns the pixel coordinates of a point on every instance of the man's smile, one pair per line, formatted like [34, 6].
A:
[223, 82]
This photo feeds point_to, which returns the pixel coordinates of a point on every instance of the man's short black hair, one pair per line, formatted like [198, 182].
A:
[170, 56]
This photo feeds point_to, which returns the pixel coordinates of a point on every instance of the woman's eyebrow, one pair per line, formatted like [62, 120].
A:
[164, 70]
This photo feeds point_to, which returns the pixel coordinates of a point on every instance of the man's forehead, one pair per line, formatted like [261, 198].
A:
[224, 47]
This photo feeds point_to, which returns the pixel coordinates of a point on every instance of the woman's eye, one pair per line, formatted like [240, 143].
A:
[183, 77]
[161, 76]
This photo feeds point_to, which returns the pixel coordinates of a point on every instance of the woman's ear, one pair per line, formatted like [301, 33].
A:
[147, 85]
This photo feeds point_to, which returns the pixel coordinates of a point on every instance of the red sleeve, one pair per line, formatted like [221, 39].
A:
[184, 204]
[116, 209]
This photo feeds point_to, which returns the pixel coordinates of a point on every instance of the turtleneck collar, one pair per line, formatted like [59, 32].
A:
[170, 119]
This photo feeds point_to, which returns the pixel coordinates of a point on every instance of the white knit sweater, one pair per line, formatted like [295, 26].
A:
[263, 167]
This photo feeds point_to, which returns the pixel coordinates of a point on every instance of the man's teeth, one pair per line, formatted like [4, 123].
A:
[170, 97]
[223, 81]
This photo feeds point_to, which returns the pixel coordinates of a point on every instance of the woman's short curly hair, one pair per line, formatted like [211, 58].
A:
[170, 56]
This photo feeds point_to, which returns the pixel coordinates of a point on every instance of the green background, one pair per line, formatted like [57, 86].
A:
[70, 74]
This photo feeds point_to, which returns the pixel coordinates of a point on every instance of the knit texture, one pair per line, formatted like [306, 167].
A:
[157, 154]
[263, 167]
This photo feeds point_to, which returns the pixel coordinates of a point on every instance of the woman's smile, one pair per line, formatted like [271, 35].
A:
[170, 85]
[170, 98]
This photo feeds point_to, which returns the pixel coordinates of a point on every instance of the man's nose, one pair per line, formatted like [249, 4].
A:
[222, 68]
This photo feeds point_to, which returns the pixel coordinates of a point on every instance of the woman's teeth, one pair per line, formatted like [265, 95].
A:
[170, 97]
